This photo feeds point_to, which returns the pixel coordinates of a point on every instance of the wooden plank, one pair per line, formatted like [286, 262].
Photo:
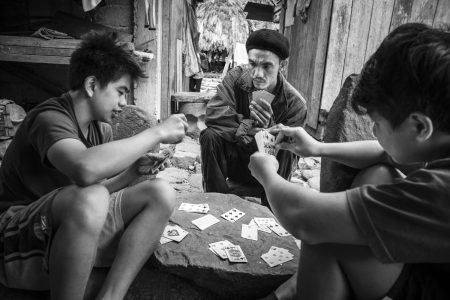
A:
[442, 16]
[146, 93]
[401, 13]
[289, 14]
[176, 32]
[21, 50]
[357, 38]
[423, 11]
[40, 59]
[339, 31]
[379, 24]
[164, 57]
[38, 42]
[179, 74]
[307, 60]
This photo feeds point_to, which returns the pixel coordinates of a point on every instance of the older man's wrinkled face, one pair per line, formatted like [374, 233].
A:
[264, 69]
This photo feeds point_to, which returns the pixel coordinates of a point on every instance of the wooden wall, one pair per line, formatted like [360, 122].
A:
[340, 35]
[171, 28]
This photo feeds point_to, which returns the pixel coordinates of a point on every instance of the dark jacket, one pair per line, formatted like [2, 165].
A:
[229, 109]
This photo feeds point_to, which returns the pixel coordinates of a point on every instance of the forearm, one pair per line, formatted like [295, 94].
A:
[359, 154]
[311, 216]
[106, 160]
[119, 181]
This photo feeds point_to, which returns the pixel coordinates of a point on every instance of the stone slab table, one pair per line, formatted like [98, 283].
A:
[191, 258]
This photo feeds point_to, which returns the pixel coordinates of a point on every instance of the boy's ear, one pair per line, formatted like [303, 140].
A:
[283, 63]
[89, 85]
[423, 126]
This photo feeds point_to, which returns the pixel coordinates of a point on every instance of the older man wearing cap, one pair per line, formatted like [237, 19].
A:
[233, 117]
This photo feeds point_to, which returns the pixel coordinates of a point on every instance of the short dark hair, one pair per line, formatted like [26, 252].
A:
[409, 72]
[100, 55]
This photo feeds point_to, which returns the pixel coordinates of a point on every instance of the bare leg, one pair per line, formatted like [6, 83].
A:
[146, 208]
[78, 217]
[331, 271]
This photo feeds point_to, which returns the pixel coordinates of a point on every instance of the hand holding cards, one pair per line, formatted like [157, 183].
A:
[266, 142]
[260, 107]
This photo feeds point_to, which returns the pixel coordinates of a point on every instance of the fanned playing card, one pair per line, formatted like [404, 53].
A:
[263, 223]
[235, 254]
[277, 256]
[174, 232]
[218, 248]
[266, 142]
[233, 215]
[205, 221]
[278, 229]
[263, 94]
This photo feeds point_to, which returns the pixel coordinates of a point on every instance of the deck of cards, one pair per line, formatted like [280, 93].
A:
[277, 256]
[269, 225]
[263, 94]
[226, 250]
[202, 208]
[266, 142]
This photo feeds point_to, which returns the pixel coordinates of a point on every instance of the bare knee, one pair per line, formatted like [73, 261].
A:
[85, 208]
[161, 196]
[376, 174]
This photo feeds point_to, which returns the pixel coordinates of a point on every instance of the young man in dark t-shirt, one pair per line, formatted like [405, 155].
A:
[65, 201]
[388, 237]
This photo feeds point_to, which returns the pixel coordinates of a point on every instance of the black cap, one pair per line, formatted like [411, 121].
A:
[271, 40]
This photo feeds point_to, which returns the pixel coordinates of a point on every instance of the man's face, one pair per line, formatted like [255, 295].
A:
[108, 100]
[264, 69]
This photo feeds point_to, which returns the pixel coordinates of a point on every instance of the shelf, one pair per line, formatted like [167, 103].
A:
[38, 50]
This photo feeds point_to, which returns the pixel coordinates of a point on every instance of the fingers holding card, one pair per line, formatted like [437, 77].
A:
[266, 142]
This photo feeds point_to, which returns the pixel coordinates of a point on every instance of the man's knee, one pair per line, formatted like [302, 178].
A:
[83, 207]
[376, 174]
[209, 138]
[162, 195]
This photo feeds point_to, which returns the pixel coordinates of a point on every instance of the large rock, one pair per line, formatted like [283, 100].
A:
[192, 260]
[131, 121]
[343, 125]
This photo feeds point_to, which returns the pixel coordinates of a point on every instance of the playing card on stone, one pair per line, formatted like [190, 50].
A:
[263, 223]
[235, 254]
[278, 229]
[233, 215]
[205, 221]
[249, 232]
[175, 233]
[164, 240]
[277, 256]
[219, 248]
[198, 208]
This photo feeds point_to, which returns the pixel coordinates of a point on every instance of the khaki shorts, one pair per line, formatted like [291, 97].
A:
[26, 233]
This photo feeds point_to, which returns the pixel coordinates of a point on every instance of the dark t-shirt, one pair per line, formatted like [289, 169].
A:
[26, 174]
[407, 221]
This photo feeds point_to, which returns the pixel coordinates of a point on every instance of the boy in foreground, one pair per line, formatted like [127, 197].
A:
[388, 236]
[64, 196]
